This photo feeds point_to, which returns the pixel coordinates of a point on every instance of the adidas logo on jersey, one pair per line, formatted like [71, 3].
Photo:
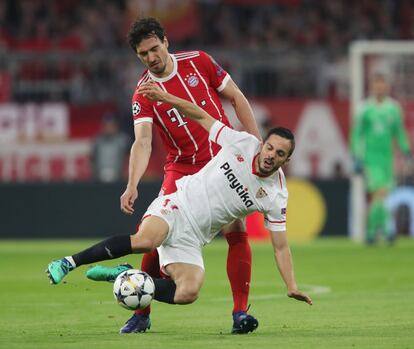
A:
[235, 184]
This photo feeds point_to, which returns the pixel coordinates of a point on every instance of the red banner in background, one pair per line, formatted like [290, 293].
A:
[45, 162]
[85, 120]
[288, 112]
[321, 129]
[5, 86]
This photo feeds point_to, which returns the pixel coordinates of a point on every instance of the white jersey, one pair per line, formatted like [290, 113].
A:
[228, 187]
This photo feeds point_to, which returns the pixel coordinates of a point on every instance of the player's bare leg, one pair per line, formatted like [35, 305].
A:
[188, 279]
[152, 232]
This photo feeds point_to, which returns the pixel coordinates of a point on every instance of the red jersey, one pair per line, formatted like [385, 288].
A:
[197, 78]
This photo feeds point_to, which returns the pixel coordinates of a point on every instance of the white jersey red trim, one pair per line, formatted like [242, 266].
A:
[227, 188]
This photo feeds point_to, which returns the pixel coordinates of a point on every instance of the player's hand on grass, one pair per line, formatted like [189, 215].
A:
[300, 296]
[152, 91]
[127, 200]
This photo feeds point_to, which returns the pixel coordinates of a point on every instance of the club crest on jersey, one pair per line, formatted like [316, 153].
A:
[234, 183]
[261, 193]
[136, 108]
[192, 80]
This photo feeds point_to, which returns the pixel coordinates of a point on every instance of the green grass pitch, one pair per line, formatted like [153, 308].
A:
[363, 298]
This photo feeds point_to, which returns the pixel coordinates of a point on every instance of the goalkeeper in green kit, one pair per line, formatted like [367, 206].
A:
[378, 124]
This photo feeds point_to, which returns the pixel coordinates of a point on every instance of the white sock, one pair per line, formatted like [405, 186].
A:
[71, 261]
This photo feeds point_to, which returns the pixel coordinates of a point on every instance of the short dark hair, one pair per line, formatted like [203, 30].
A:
[144, 28]
[284, 133]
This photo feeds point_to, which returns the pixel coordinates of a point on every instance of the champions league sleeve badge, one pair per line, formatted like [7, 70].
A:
[219, 69]
[136, 108]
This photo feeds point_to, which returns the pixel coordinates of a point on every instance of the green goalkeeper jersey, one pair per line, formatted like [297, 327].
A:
[376, 126]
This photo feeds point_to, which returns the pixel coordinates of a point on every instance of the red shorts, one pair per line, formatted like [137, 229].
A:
[174, 172]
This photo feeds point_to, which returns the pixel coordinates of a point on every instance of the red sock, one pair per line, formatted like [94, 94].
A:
[151, 265]
[239, 268]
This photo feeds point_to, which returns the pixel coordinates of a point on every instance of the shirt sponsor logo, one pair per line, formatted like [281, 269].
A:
[235, 184]
[136, 108]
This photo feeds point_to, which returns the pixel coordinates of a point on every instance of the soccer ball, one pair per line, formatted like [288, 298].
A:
[134, 289]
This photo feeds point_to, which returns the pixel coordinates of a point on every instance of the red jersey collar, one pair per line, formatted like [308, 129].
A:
[171, 75]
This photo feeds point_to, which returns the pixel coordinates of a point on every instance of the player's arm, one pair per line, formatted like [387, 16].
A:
[138, 162]
[242, 108]
[284, 263]
[153, 92]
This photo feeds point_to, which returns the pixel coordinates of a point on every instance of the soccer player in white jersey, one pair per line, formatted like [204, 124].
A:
[245, 176]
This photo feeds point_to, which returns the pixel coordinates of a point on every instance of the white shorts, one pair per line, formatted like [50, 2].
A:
[181, 244]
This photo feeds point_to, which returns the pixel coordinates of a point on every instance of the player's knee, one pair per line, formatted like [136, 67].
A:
[142, 244]
[186, 295]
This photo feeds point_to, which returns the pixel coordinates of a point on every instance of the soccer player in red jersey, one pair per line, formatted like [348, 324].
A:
[196, 77]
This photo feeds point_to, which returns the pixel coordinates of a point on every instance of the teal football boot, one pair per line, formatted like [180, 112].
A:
[58, 269]
[101, 273]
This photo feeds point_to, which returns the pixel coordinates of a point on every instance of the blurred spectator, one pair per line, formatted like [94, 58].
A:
[109, 151]
[296, 24]
[274, 48]
[338, 171]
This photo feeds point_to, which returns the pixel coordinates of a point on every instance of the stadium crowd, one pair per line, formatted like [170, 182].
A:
[296, 24]
[44, 39]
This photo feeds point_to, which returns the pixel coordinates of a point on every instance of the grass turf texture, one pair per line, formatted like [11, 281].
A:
[363, 298]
